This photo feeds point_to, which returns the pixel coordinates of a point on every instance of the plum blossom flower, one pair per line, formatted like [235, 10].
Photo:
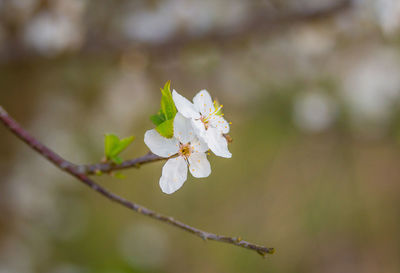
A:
[184, 150]
[208, 124]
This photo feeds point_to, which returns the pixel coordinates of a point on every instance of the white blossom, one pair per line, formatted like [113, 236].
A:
[184, 150]
[208, 124]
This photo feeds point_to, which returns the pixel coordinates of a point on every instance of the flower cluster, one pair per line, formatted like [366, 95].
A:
[197, 128]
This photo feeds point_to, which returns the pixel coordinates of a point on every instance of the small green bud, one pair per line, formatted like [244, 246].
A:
[113, 146]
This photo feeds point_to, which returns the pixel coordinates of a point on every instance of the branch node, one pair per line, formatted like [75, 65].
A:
[81, 169]
[203, 236]
[266, 251]
[64, 165]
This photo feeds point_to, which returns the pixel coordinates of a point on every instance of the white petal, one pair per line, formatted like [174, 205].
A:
[217, 143]
[198, 127]
[220, 123]
[184, 106]
[174, 174]
[204, 103]
[198, 165]
[183, 129]
[198, 145]
[161, 146]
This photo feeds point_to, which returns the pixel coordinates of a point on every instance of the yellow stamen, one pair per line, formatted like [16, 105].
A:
[211, 115]
[185, 150]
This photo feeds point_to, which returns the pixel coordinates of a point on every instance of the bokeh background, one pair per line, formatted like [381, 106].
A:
[312, 88]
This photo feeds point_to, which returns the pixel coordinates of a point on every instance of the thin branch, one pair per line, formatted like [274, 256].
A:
[73, 170]
[109, 167]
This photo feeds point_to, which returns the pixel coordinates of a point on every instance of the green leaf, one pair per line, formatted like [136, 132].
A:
[157, 119]
[123, 143]
[164, 120]
[113, 146]
[166, 129]
[116, 159]
[168, 108]
[110, 141]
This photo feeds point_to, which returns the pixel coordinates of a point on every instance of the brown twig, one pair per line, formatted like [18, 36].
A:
[73, 170]
[107, 167]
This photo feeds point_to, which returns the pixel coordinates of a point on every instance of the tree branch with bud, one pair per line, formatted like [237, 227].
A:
[174, 139]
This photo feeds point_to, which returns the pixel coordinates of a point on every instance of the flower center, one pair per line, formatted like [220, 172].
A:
[205, 121]
[185, 150]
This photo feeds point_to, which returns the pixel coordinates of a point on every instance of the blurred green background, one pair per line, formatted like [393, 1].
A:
[312, 89]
